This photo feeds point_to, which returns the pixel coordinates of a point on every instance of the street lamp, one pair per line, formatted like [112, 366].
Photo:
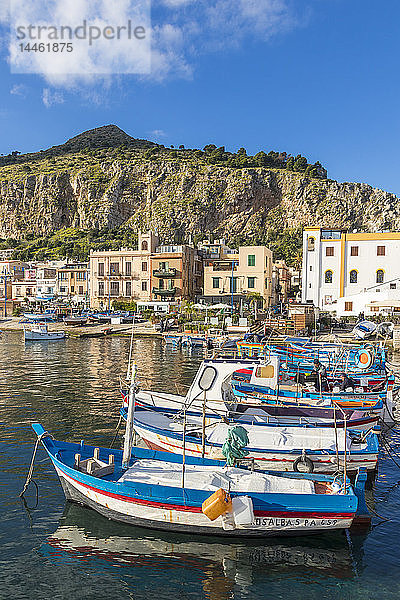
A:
[4, 276]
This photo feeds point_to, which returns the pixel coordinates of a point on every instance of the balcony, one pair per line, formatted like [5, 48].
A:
[164, 272]
[164, 293]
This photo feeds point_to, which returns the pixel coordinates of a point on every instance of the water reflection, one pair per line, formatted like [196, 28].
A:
[217, 568]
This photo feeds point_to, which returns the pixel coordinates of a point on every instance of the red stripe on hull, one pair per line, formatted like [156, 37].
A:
[197, 509]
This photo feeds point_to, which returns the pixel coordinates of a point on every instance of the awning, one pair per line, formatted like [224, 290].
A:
[384, 304]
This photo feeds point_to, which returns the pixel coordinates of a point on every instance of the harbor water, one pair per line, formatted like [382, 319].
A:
[52, 549]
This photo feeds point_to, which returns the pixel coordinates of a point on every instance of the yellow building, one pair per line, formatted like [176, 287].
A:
[238, 274]
[73, 283]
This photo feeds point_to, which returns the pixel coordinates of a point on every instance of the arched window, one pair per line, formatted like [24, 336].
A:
[328, 276]
[379, 276]
[353, 276]
[145, 245]
[310, 244]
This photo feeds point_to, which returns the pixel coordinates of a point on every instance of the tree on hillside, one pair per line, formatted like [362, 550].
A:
[300, 163]
[290, 163]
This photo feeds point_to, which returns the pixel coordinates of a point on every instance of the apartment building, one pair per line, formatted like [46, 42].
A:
[340, 268]
[73, 283]
[149, 273]
[235, 274]
[26, 288]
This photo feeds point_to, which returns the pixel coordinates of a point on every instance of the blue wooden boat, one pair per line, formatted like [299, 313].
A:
[155, 490]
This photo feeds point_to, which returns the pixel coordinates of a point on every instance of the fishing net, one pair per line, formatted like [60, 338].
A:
[234, 445]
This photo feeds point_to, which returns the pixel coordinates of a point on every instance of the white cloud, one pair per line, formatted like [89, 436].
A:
[19, 89]
[80, 39]
[207, 26]
[158, 133]
[50, 97]
[182, 30]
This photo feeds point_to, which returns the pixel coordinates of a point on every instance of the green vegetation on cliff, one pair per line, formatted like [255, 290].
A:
[102, 187]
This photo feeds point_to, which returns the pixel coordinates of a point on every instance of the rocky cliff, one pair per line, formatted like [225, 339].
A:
[178, 196]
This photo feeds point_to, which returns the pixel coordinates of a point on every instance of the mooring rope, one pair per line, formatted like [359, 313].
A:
[30, 472]
[116, 431]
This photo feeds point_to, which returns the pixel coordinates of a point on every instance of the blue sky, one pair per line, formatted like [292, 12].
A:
[317, 77]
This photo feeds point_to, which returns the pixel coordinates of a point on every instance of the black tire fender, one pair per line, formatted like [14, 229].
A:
[307, 462]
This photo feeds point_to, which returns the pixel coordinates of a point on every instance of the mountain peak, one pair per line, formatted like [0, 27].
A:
[107, 136]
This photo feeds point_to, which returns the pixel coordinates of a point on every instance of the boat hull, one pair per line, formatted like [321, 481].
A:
[33, 336]
[272, 523]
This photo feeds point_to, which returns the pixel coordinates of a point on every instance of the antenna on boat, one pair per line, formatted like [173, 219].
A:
[128, 438]
[184, 446]
[128, 372]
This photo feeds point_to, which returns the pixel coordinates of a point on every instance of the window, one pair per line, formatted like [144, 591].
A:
[266, 262]
[72, 275]
[101, 288]
[328, 299]
[215, 281]
[161, 284]
[62, 290]
[251, 260]
[114, 288]
[328, 276]
[329, 251]
[128, 288]
[145, 245]
[354, 251]
[114, 268]
[379, 276]
[348, 306]
[311, 244]
[81, 275]
[72, 289]
[266, 283]
[128, 269]
[353, 276]
[310, 267]
[233, 285]
[393, 286]
[251, 282]
[101, 269]
[171, 284]
[381, 251]
[144, 266]
[80, 292]
[163, 266]
[144, 286]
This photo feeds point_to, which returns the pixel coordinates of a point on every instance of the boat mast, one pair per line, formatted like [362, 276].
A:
[128, 438]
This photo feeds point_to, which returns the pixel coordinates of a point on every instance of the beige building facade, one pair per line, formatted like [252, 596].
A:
[73, 283]
[151, 272]
[239, 274]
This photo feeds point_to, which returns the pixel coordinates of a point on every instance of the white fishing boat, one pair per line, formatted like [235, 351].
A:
[364, 330]
[314, 449]
[41, 333]
[385, 329]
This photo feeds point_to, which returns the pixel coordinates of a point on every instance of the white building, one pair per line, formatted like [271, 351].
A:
[341, 270]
